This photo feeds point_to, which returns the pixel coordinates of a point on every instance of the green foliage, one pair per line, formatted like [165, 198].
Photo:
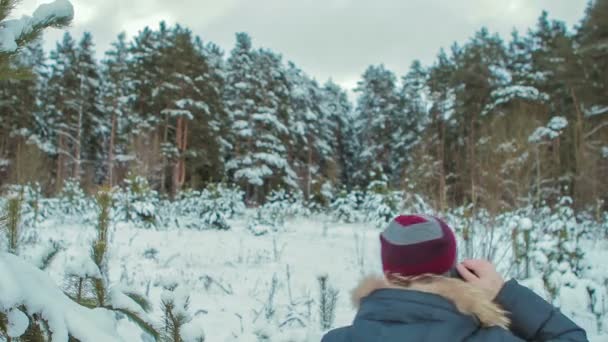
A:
[11, 222]
[104, 199]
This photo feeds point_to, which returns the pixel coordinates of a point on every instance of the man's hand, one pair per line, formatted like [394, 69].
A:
[481, 274]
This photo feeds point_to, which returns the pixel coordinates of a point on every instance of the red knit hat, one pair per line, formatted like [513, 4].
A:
[417, 244]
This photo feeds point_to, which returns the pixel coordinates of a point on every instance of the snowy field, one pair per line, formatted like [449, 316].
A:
[229, 275]
[254, 282]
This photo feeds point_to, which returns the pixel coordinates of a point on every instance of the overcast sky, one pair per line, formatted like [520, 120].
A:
[327, 38]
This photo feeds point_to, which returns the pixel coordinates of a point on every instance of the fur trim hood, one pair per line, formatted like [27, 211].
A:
[467, 299]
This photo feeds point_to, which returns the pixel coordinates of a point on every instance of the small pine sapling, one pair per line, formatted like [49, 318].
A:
[50, 255]
[526, 227]
[269, 308]
[89, 278]
[380, 204]
[139, 202]
[294, 317]
[3, 325]
[327, 302]
[100, 245]
[11, 222]
[344, 207]
[175, 304]
[73, 200]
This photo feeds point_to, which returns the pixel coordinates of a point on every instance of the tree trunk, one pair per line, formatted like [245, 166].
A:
[163, 173]
[111, 152]
[309, 170]
[18, 162]
[60, 161]
[176, 165]
[538, 176]
[152, 160]
[182, 174]
[77, 161]
[181, 142]
[441, 161]
[579, 151]
[473, 162]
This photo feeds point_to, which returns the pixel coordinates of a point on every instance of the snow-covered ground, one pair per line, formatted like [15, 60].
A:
[257, 283]
[229, 274]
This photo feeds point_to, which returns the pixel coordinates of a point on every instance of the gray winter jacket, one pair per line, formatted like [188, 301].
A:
[452, 311]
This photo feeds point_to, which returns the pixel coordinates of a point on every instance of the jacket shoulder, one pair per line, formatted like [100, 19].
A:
[494, 334]
[337, 335]
[533, 318]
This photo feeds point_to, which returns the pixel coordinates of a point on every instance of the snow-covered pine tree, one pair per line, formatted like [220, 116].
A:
[433, 165]
[192, 97]
[560, 76]
[21, 110]
[592, 39]
[338, 109]
[115, 94]
[255, 91]
[515, 79]
[178, 92]
[62, 107]
[375, 123]
[144, 74]
[208, 131]
[75, 108]
[311, 140]
[162, 98]
[93, 127]
[415, 100]
[474, 79]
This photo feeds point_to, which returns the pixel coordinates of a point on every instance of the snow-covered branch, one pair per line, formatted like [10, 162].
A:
[13, 32]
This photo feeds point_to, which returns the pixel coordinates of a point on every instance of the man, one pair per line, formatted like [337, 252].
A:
[426, 296]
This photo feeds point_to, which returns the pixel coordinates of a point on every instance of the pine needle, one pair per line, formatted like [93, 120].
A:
[48, 258]
[89, 303]
[145, 326]
[140, 300]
